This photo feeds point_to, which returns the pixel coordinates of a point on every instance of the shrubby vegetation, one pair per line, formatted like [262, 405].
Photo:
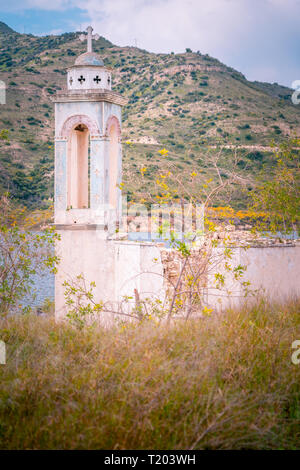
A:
[23, 253]
[190, 94]
[279, 197]
[220, 382]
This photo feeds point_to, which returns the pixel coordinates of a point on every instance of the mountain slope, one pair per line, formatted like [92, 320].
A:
[4, 29]
[184, 102]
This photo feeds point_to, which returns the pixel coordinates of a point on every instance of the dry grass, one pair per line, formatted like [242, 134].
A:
[224, 382]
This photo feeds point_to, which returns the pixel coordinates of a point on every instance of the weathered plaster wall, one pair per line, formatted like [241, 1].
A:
[273, 271]
[138, 267]
[122, 268]
[84, 252]
[118, 268]
[97, 116]
[89, 74]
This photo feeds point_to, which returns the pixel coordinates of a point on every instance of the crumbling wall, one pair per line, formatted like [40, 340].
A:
[185, 277]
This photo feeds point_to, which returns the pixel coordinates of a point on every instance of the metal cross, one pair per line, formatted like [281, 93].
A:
[90, 36]
[97, 79]
[81, 79]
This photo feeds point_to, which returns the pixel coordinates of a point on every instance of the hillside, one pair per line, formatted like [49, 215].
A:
[184, 102]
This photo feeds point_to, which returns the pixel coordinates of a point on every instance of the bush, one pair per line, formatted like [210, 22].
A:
[220, 382]
[23, 253]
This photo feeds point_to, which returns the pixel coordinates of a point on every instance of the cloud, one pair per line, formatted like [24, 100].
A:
[258, 37]
[20, 6]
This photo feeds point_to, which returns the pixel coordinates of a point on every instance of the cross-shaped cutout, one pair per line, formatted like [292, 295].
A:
[108, 80]
[81, 79]
[71, 81]
[97, 79]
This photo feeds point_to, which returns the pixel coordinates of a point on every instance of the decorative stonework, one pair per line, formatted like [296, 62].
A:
[72, 121]
[89, 95]
[113, 121]
[60, 175]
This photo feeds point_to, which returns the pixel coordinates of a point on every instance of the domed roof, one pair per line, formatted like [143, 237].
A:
[89, 58]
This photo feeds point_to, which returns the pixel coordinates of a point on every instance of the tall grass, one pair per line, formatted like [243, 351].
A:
[221, 382]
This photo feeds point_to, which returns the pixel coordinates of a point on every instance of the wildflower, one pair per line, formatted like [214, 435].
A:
[163, 152]
[207, 311]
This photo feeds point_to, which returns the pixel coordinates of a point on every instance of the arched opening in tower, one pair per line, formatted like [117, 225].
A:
[78, 168]
[113, 163]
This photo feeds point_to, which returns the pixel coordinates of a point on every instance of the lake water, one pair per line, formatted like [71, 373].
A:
[43, 288]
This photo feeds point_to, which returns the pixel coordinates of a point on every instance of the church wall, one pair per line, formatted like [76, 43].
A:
[272, 271]
[64, 110]
[84, 252]
[138, 266]
[275, 269]
[124, 268]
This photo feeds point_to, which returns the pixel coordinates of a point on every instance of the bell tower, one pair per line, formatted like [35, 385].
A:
[88, 154]
[88, 168]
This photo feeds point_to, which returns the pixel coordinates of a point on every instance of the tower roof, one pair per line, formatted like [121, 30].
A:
[89, 58]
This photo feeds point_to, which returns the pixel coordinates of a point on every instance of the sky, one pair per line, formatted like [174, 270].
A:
[260, 38]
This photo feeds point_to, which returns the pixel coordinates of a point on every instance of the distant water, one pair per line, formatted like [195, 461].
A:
[287, 236]
[43, 288]
[151, 237]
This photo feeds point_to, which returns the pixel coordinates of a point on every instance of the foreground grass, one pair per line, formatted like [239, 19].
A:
[217, 383]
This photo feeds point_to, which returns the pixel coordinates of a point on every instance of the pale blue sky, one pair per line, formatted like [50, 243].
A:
[260, 38]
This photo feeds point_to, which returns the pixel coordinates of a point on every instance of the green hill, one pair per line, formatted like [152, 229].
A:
[185, 102]
[4, 29]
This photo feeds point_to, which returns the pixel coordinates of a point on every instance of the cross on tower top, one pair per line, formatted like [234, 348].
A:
[90, 36]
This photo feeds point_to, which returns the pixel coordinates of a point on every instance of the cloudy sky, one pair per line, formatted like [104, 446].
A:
[260, 38]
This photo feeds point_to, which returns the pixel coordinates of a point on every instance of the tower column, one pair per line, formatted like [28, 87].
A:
[97, 168]
[60, 176]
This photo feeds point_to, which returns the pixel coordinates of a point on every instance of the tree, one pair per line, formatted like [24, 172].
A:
[23, 253]
[279, 197]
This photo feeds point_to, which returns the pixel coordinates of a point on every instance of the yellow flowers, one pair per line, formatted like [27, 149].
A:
[166, 175]
[193, 174]
[128, 142]
[143, 170]
[207, 311]
[163, 152]
[120, 186]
